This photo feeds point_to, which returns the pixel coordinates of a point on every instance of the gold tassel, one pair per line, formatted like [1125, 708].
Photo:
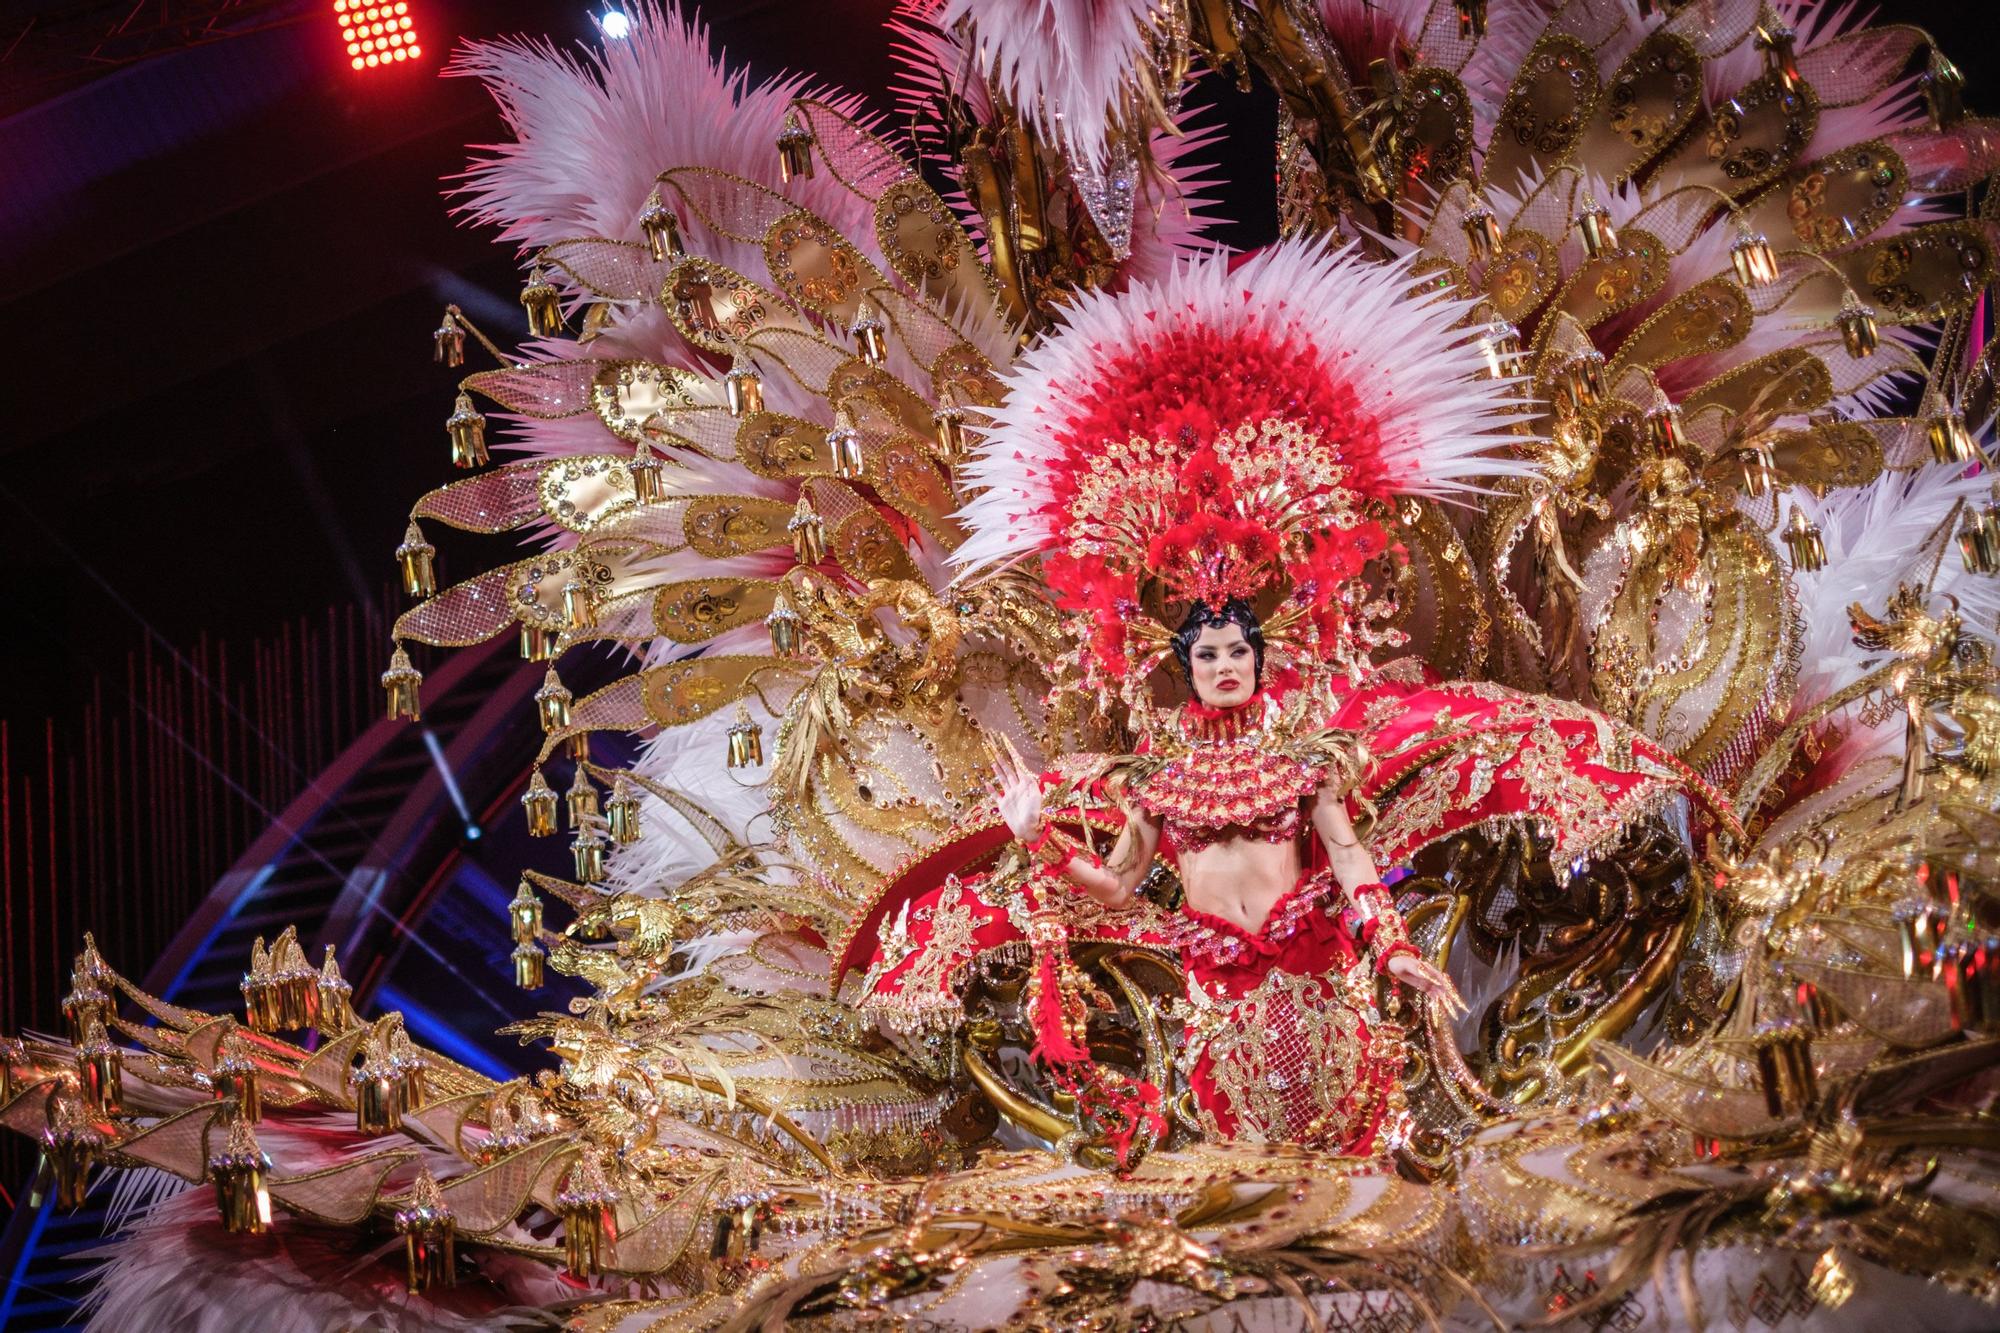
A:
[588, 1207]
[1785, 1070]
[401, 681]
[1663, 429]
[236, 1082]
[1594, 225]
[552, 702]
[622, 813]
[579, 746]
[1756, 263]
[539, 643]
[1857, 326]
[336, 998]
[1916, 744]
[524, 915]
[844, 443]
[649, 475]
[1950, 441]
[71, 1143]
[582, 799]
[1500, 342]
[381, 1085]
[870, 334]
[467, 429]
[1803, 541]
[743, 386]
[579, 605]
[588, 850]
[808, 532]
[1760, 471]
[746, 741]
[783, 622]
[415, 558]
[543, 303]
[1979, 539]
[528, 966]
[100, 1070]
[430, 1235]
[794, 150]
[1482, 232]
[661, 228]
[1471, 19]
[448, 342]
[948, 421]
[1582, 379]
[241, 1173]
[539, 801]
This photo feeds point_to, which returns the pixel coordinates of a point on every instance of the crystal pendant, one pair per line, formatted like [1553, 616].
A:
[1760, 473]
[870, 334]
[579, 605]
[1664, 430]
[1944, 92]
[649, 475]
[783, 623]
[1785, 1070]
[1979, 539]
[588, 850]
[528, 960]
[336, 998]
[1857, 326]
[524, 915]
[71, 1143]
[1950, 441]
[539, 643]
[1582, 379]
[416, 559]
[582, 800]
[588, 1207]
[1779, 44]
[100, 1071]
[948, 421]
[1471, 19]
[622, 813]
[241, 1173]
[746, 741]
[235, 1081]
[1500, 344]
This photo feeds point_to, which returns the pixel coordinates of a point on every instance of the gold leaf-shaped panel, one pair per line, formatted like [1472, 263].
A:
[684, 692]
[1616, 280]
[716, 307]
[908, 479]
[817, 267]
[925, 245]
[1434, 127]
[1707, 317]
[1644, 107]
[1750, 138]
[696, 610]
[1545, 109]
[969, 375]
[720, 526]
[583, 492]
[628, 394]
[607, 568]
[780, 447]
[1834, 200]
[879, 400]
[1923, 274]
[1437, 594]
[1838, 453]
[866, 546]
[1522, 275]
[1781, 384]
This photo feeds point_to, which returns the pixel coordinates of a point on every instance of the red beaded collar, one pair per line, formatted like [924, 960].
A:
[1201, 722]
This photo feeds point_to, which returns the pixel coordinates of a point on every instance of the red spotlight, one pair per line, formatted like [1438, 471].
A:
[377, 32]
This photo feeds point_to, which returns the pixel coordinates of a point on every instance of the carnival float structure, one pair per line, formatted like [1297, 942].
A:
[1635, 351]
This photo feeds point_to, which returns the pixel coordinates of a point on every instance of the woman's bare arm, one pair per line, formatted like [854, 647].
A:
[1017, 792]
[1353, 864]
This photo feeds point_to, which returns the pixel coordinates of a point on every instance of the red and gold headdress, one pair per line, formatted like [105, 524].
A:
[1234, 433]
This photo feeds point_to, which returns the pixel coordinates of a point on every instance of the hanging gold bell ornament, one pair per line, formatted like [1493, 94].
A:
[1916, 742]
[552, 703]
[795, 143]
[743, 387]
[1857, 326]
[281, 990]
[1581, 380]
[1482, 231]
[621, 813]
[241, 1172]
[1500, 344]
[948, 422]
[660, 227]
[71, 1144]
[448, 342]
[1471, 18]
[524, 915]
[746, 741]
[579, 604]
[401, 682]
[588, 1206]
[539, 643]
[235, 1081]
[1760, 470]
[539, 801]
[783, 622]
[1979, 539]
[430, 1235]
[588, 850]
[100, 1071]
[87, 998]
[1778, 44]
[808, 532]
[416, 557]
[582, 799]
[1755, 262]
[1664, 429]
[1804, 543]
[336, 998]
[386, 1083]
[1593, 224]
[543, 303]
[528, 973]
[1950, 441]
[467, 429]
[870, 334]
[1785, 1070]
[1944, 92]
[843, 442]
[649, 475]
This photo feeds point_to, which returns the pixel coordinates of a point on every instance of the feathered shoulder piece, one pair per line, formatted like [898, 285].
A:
[1233, 433]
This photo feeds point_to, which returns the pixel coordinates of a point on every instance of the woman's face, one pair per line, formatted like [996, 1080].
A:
[1223, 665]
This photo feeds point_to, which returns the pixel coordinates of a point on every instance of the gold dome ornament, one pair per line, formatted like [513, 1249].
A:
[587, 848]
[430, 1236]
[241, 1172]
[870, 334]
[649, 475]
[1857, 326]
[843, 442]
[401, 682]
[1755, 262]
[783, 623]
[743, 387]
[1803, 541]
[539, 801]
[448, 341]
[543, 303]
[1593, 224]
[416, 558]
[235, 1080]
[1950, 441]
[661, 228]
[1979, 539]
[467, 429]
[71, 1144]
[100, 1071]
[582, 800]
[552, 703]
[808, 532]
[622, 813]
[795, 143]
[539, 643]
[746, 740]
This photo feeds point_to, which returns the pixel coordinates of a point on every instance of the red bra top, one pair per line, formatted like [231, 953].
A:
[1230, 782]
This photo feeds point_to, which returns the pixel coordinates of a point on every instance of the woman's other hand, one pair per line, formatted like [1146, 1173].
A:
[1420, 975]
[1016, 790]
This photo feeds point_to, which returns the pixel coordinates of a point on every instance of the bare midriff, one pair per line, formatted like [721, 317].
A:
[1240, 879]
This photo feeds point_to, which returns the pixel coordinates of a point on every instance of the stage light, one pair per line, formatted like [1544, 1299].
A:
[377, 32]
[615, 24]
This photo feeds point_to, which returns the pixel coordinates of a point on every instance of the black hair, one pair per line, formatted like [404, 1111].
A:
[1202, 616]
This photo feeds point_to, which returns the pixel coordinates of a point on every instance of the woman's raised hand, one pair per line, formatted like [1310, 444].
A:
[1016, 789]
[1419, 974]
